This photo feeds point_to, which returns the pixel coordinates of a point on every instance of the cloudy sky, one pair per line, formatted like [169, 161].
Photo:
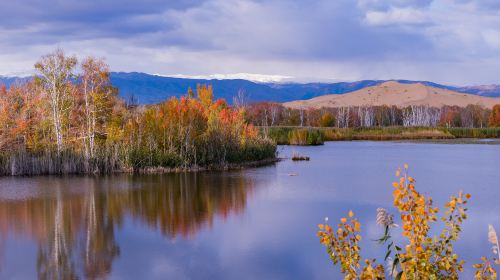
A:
[448, 41]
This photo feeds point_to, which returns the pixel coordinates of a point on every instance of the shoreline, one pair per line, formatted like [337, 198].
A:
[227, 167]
[160, 170]
[285, 135]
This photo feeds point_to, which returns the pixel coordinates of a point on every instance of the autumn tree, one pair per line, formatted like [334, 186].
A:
[494, 120]
[98, 98]
[205, 94]
[450, 117]
[54, 74]
[20, 116]
[327, 120]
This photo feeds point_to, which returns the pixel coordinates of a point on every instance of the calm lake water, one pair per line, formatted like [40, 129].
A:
[252, 224]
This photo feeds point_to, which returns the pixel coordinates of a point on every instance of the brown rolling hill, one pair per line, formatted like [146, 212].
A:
[397, 94]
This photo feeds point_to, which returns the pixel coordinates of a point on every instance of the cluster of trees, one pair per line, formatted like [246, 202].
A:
[194, 131]
[69, 119]
[472, 116]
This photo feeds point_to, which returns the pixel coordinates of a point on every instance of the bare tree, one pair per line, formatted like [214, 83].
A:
[241, 99]
[421, 116]
[343, 117]
[366, 116]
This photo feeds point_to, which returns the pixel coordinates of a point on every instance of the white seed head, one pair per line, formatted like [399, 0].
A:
[492, 235]
[384, 218]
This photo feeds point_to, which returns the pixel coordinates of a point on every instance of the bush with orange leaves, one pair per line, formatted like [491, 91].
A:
[423, 256]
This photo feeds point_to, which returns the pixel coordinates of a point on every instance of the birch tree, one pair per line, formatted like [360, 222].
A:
[55, 72]
[97, 96]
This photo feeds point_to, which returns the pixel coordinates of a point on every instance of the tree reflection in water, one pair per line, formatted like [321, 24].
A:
[74, 219]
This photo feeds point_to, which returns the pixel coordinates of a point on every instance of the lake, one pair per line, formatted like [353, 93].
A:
[257, 223]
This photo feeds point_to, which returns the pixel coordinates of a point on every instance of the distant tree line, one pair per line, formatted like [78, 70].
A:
[69, 119]
[275, 114]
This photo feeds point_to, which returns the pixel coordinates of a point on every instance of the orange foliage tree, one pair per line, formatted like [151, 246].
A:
[494, 120]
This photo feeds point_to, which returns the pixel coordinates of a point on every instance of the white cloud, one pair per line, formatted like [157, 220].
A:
[396, 16]
[491, 37]
[262, 78]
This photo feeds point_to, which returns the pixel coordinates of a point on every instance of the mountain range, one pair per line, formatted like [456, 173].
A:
[149, 89]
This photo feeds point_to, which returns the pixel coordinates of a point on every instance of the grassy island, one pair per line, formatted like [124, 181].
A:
[61, 122]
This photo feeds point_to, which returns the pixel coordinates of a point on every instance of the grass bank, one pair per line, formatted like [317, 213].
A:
[288, 135]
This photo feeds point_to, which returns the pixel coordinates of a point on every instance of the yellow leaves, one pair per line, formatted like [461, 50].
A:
[343, 245]
[395, 184]
[420, 211]
[452, 204]
[406, 166]
[396, 193]
[485, 269]
[411, 179]
[419, 249]
[468, 196]
[357, 226]
[321, 226]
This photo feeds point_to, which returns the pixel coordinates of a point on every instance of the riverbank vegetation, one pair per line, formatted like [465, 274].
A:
[422, 256]
[69, 119]
[286, 135]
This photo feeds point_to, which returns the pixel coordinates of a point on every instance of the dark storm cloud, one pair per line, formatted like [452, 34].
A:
[48, 20]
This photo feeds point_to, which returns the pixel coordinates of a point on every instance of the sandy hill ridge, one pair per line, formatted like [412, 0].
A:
[397, 94]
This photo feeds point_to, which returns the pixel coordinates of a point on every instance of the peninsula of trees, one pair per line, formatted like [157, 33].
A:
[69, 119]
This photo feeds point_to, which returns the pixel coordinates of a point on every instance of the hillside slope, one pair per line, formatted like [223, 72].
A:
[397, 94]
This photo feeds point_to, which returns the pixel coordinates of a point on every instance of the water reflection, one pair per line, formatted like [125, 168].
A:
[73, 220]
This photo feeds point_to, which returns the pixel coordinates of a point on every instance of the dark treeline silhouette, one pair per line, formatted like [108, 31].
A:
[69, 119]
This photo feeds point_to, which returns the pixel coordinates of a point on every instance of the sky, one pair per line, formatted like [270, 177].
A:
[455, 42]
